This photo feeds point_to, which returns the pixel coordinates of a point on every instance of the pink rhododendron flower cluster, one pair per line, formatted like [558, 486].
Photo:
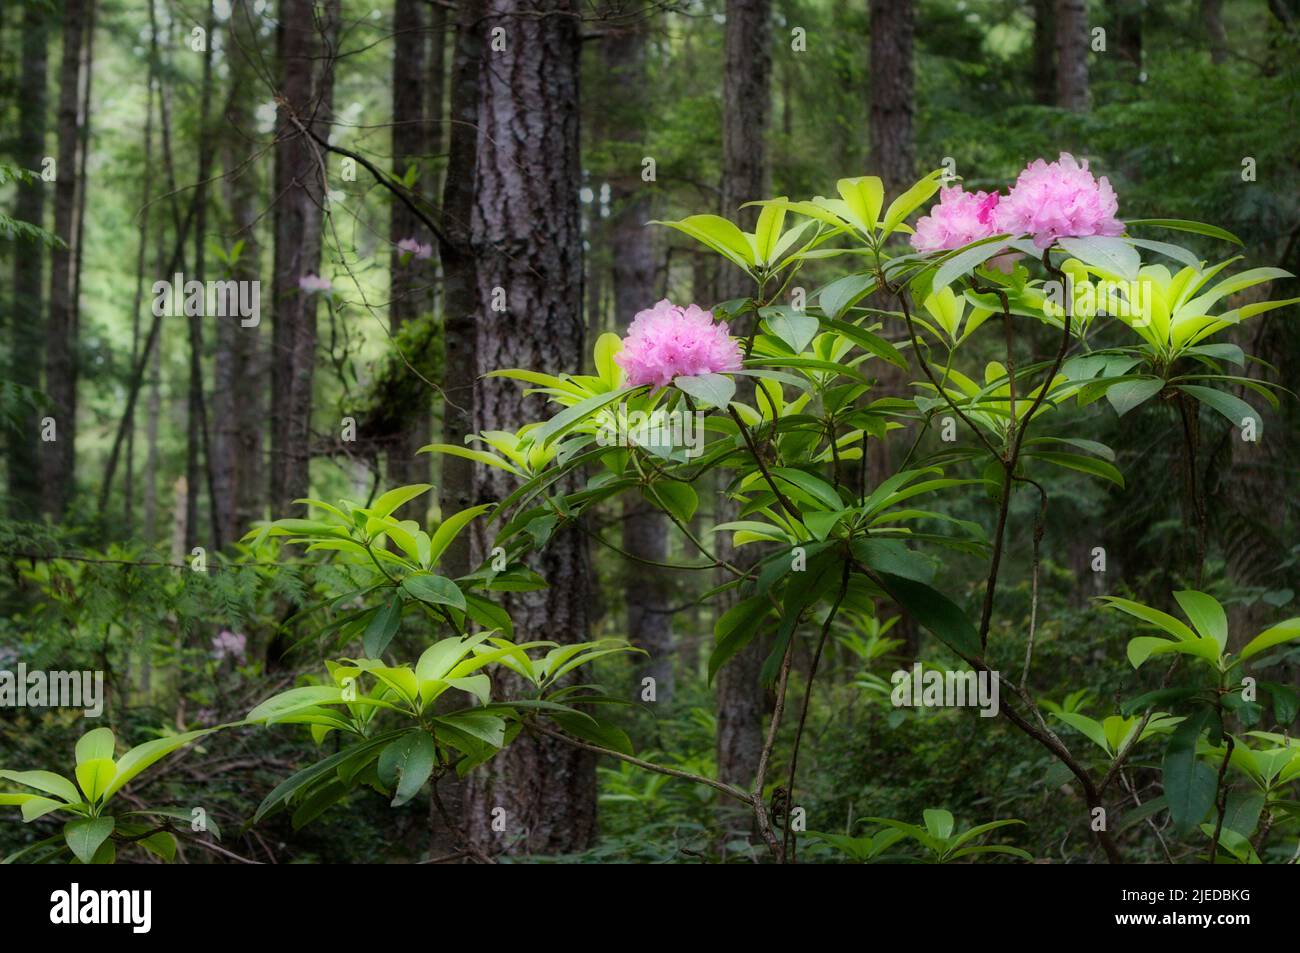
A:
[1050, 200]
[959, 219]
[412, 247]
[1059, 200]
[668, 340]
[227, 644]
[310, 283]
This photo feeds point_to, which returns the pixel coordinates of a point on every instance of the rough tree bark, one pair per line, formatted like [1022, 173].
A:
[409, 281]
[746, 108]
[1044, 63]
[646, 589]
[527, 218]
[1072, 54]
[26, 324]
[893, 103]
[58, 457]
[239, 368]
[306, 87]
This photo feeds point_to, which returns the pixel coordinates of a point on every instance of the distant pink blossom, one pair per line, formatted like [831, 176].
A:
[314, 283]
[227, 644]
[959, 219]
[411, 246]
[668, 341]
[1059, 200]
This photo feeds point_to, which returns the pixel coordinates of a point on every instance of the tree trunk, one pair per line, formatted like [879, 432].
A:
[460, 273]
[1044, 44]
[893, 101]
[26, 322]
[409, 280]
[1126, 35]
[239, 369]
[746, 106]
[1212, 17]
[196, 432]
[59, 456]
[306, 88]
[647, 589]
[526, 212]
[1072, 46]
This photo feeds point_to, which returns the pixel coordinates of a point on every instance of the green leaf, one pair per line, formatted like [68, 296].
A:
[843, 293]
[46, 781]
[938, 823]
[714, 390]
[410, 759]
[96, 745]
[390, 501]
[795, 328]
[478, 724]
[597, 732]
[1163, 620]
[438, 590]
[1183, 225]
[936, 612]
[85, 835]
[1276, 635]
[451, 527]
[767, 232]
[142, 756]
[95, 776]
[570, 417]
[1189, 783]
[1236, 410]
[1074, 461]
[1125, 395]
[1113, 255]
[911, 200]
[964, 262]
[718, 234]
[1206, 615]
[383, 626]
[678, 498]
[814, 486]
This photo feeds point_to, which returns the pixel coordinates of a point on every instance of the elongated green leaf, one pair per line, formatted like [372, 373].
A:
[1275, 635]
[85, 835]
[390, 501]
[383, 626]
[1236, 410]
[1183, 225]
[410, 759]
[935, 612]
[1189, 783]
[1206, 615]
[714, 390]
[1113, 255]
[451, 527]
[438, 590]
[143, 755]
[46, 781]
[96, 745]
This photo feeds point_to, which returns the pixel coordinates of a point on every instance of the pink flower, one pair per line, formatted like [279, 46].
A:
[314, 283]
[1059, 200]
[411, 246]
[959, 219]
[229, 644]
[668, 340]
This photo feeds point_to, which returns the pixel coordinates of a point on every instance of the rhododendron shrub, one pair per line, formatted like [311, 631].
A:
[1094, 312]
[1083, 313]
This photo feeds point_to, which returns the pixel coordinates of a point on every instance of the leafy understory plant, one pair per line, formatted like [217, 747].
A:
[936, 838]
[398, 740]
[90, 834]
